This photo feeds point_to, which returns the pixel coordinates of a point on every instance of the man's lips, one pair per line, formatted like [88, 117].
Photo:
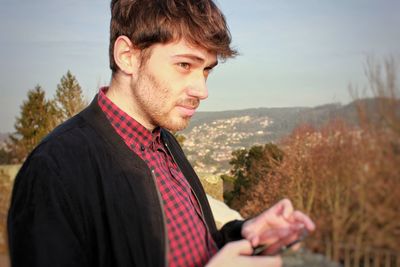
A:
[187, 111]
[188, 107]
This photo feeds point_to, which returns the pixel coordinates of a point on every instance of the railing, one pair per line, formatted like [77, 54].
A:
[352, 256]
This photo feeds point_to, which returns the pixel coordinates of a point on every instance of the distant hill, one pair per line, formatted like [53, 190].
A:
[212, 136]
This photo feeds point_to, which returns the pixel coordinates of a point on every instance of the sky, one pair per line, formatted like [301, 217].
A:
[292, 53]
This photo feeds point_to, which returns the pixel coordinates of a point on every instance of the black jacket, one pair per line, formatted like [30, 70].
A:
[82, 198]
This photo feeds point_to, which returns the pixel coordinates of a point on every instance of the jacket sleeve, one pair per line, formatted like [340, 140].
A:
[231, 231]
[43, 228]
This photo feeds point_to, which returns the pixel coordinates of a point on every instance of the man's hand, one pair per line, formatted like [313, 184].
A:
[238, 254]
[277, 227]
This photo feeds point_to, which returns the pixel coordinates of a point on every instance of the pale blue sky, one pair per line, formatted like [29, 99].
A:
[293, 53]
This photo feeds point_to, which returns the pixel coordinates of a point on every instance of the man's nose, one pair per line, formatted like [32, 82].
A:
[199, 88]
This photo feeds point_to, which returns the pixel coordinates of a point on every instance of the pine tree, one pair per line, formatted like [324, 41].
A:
[69, 98]
[35, 121]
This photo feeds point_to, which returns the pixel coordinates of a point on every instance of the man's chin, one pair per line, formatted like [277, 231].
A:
[176, 124]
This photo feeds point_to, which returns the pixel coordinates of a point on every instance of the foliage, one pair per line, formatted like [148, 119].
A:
[5, 156]
[35, 121]
[69, 98]
[248, 167]
[341, 176]
[347, 178]
[39, 116]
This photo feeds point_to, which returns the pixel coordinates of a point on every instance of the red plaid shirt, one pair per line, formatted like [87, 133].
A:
[189, 242]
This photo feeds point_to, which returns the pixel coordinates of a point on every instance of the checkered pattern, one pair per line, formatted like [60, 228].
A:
[190, 244]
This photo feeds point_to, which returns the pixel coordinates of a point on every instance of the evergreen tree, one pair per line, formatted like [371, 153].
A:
[248, 167]
[69, 98]
[35, 121]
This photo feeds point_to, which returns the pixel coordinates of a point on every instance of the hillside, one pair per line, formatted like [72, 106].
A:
[212, 136]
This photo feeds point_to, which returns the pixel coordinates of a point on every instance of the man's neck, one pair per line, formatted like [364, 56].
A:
[121, 95]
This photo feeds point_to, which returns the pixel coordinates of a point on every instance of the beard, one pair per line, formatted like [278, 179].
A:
[156, 102]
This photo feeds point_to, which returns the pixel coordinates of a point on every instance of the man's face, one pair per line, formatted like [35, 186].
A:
[170, 84]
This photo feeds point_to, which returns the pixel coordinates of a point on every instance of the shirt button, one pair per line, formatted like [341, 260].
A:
[142, 147]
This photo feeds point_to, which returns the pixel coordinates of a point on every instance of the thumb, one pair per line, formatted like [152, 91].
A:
[241, 247]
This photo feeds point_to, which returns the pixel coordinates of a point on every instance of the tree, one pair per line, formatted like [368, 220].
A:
[382, 76]
[4, 156]
[383, 83]
[346, 178]
[69, 99]
[248, 167]
[35, 121]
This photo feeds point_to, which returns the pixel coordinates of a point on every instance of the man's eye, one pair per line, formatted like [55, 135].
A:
[184, 65]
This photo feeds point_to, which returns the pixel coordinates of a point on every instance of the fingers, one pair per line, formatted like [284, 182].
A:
[301, 218]
[278, 236]
[270, 219]
[277, 223]
[262, 229]
[283, 208]
[283, 239]
[275, 235]
[281, 244]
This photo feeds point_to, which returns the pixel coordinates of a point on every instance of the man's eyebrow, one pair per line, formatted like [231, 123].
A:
[196, 58]
[212, 65]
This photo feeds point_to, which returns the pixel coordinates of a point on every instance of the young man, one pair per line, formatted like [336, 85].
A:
[111, 186]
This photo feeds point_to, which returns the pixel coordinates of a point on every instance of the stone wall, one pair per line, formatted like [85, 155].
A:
[9, 170]
[213, 185]
[7, 175]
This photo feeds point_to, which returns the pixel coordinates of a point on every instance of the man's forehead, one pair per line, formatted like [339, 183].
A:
[183, 48]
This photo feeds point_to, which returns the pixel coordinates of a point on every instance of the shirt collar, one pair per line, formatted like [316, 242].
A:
[131, 131]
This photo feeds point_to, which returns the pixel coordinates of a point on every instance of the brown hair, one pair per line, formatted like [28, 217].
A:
[147, 22]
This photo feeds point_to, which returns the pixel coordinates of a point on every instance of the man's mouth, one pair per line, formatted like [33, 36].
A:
[187, 111]
[188, 107]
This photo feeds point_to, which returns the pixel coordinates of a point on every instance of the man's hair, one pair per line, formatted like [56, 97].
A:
[148, 22]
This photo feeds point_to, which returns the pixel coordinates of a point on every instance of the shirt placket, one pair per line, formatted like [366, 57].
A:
[179, 180]
[178, 176]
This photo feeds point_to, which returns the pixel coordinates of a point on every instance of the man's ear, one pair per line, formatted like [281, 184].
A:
[126, 56]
